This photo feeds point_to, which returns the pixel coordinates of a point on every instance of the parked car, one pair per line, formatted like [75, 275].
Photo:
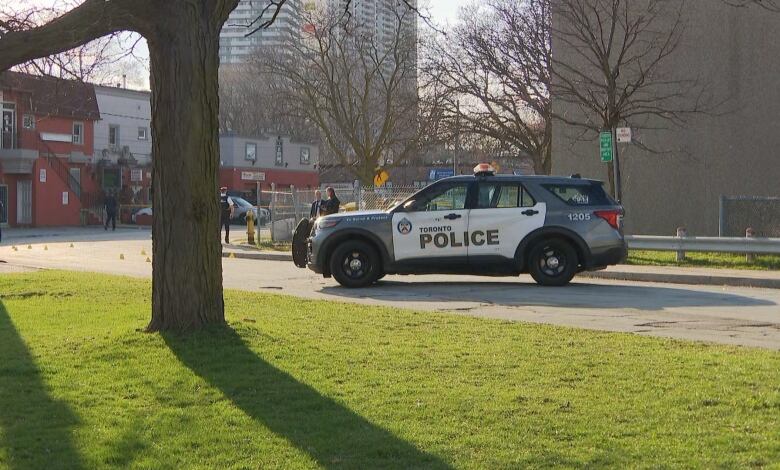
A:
[142, 216]
[262, 216]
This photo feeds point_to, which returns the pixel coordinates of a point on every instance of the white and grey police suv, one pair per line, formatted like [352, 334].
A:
[550, 227]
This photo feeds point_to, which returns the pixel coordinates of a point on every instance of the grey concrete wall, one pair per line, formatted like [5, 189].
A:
[233, 153]
[736, 52]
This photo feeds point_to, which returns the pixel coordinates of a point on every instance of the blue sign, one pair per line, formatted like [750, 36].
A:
[439, 173]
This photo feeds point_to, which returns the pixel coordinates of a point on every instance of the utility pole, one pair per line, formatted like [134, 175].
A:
[457, 140]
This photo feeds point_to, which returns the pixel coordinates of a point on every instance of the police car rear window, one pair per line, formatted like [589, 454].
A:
[580, 194]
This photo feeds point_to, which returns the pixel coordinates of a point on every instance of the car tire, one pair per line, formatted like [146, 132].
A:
[300, 248]
[552, 262]
[355, 264]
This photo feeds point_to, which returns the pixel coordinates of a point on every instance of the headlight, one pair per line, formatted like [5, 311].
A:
[327, 223]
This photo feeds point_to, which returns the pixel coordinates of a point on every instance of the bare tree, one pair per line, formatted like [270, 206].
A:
[496, 65]
[183, 39]
[770, 5]
[610, 67]
[359, 89]
[249, 105]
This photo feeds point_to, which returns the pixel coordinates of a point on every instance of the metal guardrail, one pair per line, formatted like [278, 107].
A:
[705, 244]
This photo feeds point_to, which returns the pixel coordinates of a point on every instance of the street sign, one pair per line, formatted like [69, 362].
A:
[623, 134]
[252, 176]
[605, 140]
[381, 178]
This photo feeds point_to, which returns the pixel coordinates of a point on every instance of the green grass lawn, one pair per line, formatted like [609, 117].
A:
[301, 384]
[705, 260]
[268, 245]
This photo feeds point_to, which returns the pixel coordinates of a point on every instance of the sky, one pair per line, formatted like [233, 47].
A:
[445, 11]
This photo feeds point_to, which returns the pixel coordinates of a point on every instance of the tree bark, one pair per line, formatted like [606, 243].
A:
[187, 263]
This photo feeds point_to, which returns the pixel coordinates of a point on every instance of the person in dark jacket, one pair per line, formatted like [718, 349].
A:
[111, 206]
[226, 208]
[316, 206]
[332, 203]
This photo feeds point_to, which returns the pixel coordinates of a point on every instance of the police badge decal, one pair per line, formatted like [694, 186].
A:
[404, 226]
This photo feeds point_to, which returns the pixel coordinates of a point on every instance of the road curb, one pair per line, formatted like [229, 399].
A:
[692, 279]
[666, 278]
[261, 256]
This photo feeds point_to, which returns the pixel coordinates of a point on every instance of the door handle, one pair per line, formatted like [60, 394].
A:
[530, 212]
[452, 216]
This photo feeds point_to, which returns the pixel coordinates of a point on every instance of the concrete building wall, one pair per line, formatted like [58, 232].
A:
[736, 53]
[130, 110]
[233, 151]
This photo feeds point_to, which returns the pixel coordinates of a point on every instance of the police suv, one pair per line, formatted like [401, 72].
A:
[550, 227]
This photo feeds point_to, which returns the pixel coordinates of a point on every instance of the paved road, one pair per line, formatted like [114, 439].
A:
[742, 316]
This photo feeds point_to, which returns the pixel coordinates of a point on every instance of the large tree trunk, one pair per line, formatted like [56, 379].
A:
[187, 263]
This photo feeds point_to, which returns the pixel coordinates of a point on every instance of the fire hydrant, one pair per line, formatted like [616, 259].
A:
[250, 227]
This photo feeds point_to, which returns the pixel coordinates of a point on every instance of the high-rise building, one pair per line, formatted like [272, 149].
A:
[379, 17]
[234, 44]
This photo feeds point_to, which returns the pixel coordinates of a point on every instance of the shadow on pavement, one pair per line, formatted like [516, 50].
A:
[35, 427]
[520, 294]
[330, 433]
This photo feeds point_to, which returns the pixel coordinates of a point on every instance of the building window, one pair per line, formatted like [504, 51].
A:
[305, 156]
[251, 151]
[142, 133]
[28, 121]
[113, 135]
[78, 133]
[279, 161]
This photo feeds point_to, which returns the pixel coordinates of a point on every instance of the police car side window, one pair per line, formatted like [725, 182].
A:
[443, 198]
[580, 194]
[503, 196]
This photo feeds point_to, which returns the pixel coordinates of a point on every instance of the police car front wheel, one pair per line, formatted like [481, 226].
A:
[355, 264]
[552, 262]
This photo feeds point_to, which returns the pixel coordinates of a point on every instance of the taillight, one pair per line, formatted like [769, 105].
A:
[611, 216]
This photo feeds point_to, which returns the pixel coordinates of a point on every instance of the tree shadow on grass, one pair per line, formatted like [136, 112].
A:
[326, 430]
[35, 427]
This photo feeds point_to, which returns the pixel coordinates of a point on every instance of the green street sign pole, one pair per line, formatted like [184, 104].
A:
[616, 167]
[605, 146]
[609, 154]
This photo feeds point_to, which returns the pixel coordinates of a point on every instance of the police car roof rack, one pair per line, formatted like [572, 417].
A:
[484, 169]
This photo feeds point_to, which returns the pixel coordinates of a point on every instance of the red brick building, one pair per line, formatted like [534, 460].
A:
[46, 150]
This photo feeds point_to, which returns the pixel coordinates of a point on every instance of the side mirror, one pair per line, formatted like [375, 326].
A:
[410, 205]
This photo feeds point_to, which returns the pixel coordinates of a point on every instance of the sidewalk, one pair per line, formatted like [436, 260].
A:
[698, 276]
[623, 272]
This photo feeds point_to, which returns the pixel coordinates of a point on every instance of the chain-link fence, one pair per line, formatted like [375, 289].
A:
[371, 198]
[288, 206]
[738, 213]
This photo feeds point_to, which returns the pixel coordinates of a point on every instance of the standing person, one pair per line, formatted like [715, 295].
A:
[226, 208]
[317, 205]
[332, 204]
[110, 205]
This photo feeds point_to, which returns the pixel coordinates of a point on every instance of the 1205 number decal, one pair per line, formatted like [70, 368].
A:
[579, 216]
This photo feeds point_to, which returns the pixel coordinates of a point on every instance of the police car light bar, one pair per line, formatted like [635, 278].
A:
[484, 169]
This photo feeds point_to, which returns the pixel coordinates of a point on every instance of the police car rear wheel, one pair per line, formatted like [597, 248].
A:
[552, 263]
[355, 264]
